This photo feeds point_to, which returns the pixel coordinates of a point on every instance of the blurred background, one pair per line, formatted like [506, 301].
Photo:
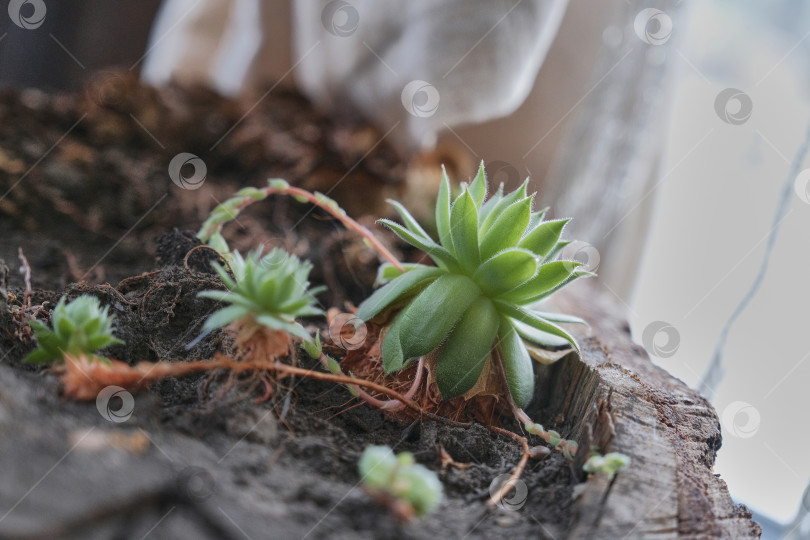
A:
[719, 191]
[668, 134]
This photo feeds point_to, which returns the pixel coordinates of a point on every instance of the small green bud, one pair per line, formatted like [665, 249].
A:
[352, 390]
[573, 445]
[617, 461]
[313, 348]
[594, 464]
[405, 458]
[608, 465]
[377, 466]
[272, 289]
[328, 202]
[252, 192]
[78, 327]
[278, 183]
[333, 366]
[400, 477]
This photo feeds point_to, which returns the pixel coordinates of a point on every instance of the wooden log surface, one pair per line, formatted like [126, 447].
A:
[626, 404]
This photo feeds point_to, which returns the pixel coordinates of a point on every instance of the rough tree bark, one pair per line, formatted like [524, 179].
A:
[624, 403]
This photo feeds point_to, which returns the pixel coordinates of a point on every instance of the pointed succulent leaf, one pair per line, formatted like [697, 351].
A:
[224, 317]
[284, 289]
[517, 364]
[464, 231]
[538, 337]
[388, 272]
[101, 341]
[267, 291]
[392, 356]
[558, 247]
[576, 274]
[333, 366]
[64, 327]
[478, 188]
[410, 221]
[224, 275]
[507, 228]
[463, 356]
[314, 349]
[300, 304]
[440, 255]
[506, 201]
[505, 271]
[560, 317]
[544, 237]
[222, 296]
[277, 323]
[536, 218]
[527, 317]
[49, 345]
[548, 276]
[397, 289]
[39, 356]
[93, 325]
[490, 204]
[310, 311]
[428, 319]
[443, 212]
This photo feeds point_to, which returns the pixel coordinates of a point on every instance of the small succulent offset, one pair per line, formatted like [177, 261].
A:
[609, 464]
[399, 477]
[266, 293]
[80, 328]
[494, 259]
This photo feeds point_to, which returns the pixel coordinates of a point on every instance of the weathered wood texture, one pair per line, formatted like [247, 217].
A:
[622, 402]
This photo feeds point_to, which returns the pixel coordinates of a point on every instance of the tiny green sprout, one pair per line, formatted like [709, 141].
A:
[313, 348]
[80, 327]
[399, 477]
[609, 464]
[269, 291]
[495, 259]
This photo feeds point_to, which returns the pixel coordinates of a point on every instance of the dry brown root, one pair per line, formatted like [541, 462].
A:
[401, 511]
[84, 377]
[256, 341]
[415, 381]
